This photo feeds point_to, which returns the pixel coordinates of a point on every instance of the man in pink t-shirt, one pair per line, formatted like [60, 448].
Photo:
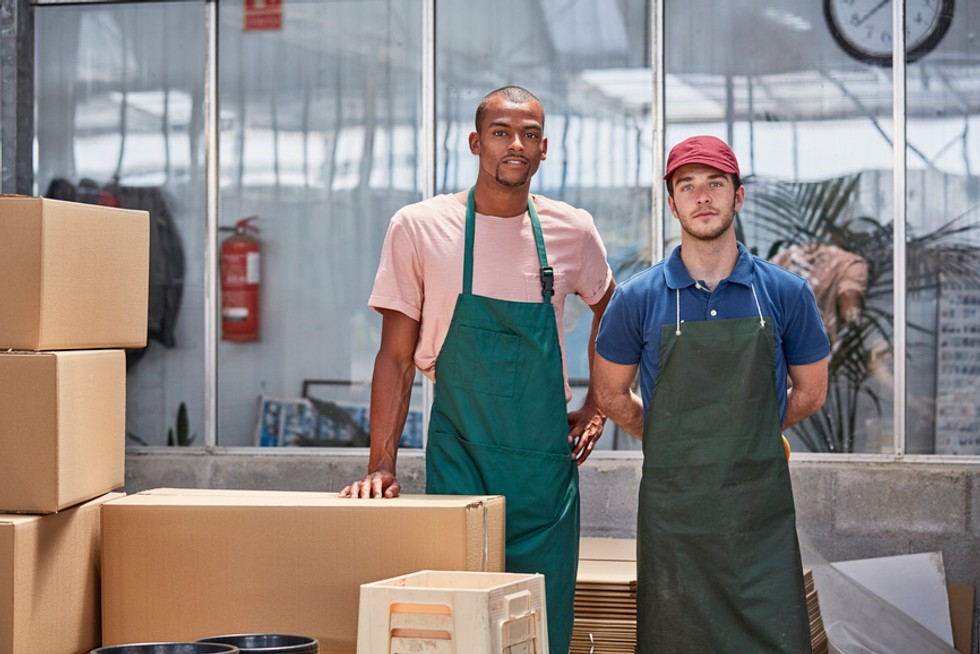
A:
[471, 287]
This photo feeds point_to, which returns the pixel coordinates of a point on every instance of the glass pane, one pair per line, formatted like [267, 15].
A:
[811, 127]
[320, 140]
[119, 95]
[943, 240]
[588, 63]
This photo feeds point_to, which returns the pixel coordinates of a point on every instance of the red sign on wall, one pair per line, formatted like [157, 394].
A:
[263, 15]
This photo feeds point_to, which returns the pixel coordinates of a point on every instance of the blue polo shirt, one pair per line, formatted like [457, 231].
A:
[631, 325]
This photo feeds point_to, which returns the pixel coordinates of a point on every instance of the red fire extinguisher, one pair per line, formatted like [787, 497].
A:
[240, 258]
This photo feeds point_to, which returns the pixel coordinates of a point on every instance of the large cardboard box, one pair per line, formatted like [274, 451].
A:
[180, 565]
[62, 428]
[72, 275]
[49, 581]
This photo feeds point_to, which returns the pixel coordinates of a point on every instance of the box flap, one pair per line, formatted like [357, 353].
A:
[233, 497]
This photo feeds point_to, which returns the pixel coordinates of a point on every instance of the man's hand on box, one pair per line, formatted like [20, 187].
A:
[377, 484]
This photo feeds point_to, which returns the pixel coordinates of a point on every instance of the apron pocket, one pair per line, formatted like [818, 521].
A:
[484, 361]
[539, 486]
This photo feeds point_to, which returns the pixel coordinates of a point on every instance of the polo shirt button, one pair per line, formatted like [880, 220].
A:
[714, 312]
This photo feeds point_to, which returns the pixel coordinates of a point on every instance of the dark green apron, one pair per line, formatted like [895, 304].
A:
[499, 426]
[718, 562]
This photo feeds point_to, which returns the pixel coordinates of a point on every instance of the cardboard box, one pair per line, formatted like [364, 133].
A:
[448, 612]
[49, 577]
[62, 428]
[961, 601]
[180, 565]
[72, 275]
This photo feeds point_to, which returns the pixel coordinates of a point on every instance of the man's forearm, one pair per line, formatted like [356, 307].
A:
[391, 392]
[597, 310]
[807, 391]
[799, 407]
[626, 410]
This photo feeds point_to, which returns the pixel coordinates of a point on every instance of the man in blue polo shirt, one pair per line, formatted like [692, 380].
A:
[731, 351]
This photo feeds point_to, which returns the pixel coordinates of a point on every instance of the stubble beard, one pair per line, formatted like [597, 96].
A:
[511, 183]
[718, 232]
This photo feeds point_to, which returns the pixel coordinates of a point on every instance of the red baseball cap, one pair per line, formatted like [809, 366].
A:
[706, 150]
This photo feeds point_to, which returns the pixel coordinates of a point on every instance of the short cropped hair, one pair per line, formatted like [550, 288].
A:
[514, 94]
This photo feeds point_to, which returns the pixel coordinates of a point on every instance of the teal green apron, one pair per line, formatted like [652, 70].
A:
[499, 426]
[718, 562]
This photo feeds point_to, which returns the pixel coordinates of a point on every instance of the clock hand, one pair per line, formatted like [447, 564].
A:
[872, 12]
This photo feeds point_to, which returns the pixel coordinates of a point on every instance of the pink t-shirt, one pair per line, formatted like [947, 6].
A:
[421, 269]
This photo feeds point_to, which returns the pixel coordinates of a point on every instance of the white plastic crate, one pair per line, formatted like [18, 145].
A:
[438, 612]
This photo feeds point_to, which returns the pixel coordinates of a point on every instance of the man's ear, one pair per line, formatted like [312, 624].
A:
[474, 143]
[544, 148]
[739, 198]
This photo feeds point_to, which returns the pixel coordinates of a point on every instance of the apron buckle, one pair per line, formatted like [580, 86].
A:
[547, 281]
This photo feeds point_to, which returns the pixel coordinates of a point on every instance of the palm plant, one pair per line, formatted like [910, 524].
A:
[791, 213]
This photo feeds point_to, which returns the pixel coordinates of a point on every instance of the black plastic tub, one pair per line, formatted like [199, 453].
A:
[168, 648]
[268, 643]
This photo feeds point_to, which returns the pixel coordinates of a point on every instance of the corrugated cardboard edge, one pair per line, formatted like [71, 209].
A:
[592, 548]
[22, 282]
[486, 532]
[106, 450]
[6, 587]
[41, 496]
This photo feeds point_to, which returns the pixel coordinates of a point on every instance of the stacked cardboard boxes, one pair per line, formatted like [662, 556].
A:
[73, 292]
[82, 566]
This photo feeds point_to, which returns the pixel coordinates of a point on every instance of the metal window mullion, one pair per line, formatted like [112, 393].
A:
[429, 151]
[658, 118]
[211, 226]
[900, 286]
[17, 97]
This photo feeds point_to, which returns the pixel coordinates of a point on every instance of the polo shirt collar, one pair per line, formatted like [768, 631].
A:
[677, 276]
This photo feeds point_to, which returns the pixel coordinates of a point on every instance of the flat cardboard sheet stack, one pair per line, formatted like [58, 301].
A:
[818, 637]
[605, 599]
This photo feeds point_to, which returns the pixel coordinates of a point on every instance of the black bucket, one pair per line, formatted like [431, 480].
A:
[168, 648]
[268, 643]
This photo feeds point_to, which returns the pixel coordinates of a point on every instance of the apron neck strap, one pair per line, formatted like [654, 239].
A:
[547, 272]
[677, 301]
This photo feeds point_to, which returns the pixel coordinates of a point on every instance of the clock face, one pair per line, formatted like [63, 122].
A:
[863, 28]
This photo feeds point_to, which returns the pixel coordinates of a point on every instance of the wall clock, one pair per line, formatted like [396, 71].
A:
[863, 28]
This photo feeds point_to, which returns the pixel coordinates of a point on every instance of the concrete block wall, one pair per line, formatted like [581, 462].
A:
[847, 510]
